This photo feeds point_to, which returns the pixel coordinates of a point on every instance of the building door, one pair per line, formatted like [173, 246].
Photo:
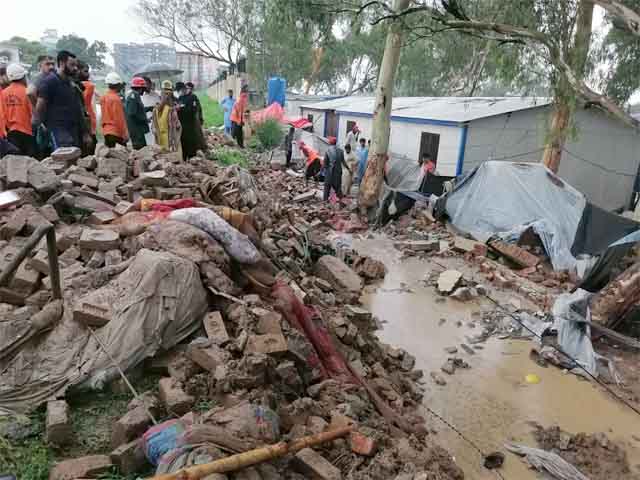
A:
[331, 125]
[429, 144]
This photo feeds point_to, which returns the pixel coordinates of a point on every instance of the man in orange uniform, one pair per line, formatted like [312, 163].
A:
[17, 111]
[237, 116]
[88, 95]
[114, 122]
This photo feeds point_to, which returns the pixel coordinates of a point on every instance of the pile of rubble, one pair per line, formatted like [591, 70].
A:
[271, 336]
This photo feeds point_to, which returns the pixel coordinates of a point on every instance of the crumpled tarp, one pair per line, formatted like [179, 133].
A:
[156, 303]
[504, 199]
[236, 244]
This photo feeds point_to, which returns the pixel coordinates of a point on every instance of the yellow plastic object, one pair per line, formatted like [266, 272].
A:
[532, 379]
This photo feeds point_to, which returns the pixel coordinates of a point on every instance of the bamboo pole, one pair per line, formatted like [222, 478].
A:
[253, 457]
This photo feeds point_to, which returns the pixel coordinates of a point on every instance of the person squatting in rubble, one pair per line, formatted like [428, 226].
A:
[166, 124]
[313, 164]
[60, 108]
[88, 95]
[18, 111]
[237, 116]
[114, 123]
[333, 162]
[136, 116]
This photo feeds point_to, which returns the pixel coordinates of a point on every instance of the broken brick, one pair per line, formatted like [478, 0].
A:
[91, 182]
[267, 343]
[130, 426]
[58, 426]
[17, 170]
[174, 397]
[100, 218]
[92, 314]
[311, 463]
[362, 445]
[99, 240]
[124, 207]
[129, 458]
[214, 326]
[85, 467]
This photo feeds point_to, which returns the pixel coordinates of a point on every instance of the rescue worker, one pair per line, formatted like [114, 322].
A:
[136, 117]
[347, 176]
[88, 96]
[18, 111]
[166, 124]
[333, 163]
[114, 123]
[313, 164]
[238, 115]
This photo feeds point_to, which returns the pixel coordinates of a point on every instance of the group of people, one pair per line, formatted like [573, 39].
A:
[353, 157]
[56, 109]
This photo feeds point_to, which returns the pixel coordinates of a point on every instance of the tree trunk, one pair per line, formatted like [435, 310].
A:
[562, 112]
[378, 153]
[615, 300]
[318, 53]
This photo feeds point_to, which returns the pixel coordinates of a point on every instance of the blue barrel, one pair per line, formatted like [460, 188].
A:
[276, 88]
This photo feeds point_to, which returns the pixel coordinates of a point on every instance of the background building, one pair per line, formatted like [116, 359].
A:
[200, 70]
[131, 57]
[459, 133]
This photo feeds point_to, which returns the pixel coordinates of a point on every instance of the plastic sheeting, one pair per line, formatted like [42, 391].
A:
[503, 199]
[156, 303]
[236, 244]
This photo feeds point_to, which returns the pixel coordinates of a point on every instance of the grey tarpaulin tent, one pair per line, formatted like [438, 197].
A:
[504, 199]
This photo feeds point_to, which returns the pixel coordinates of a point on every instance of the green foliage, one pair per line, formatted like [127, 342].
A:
[229, 156]
[93, 54]
[211, 110]
[29, 50]
[269, 133]
[254, 144]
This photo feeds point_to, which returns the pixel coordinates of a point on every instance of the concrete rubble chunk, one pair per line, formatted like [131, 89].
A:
[269, 322]
[58, 425]
[102, 240]
[303, 197]
[448, 280]
[66, 155]
[516, 254]
[96, 260]
[77, 179]
[156, 178]
[88, 162]
[174, 397]
[40, 262]
[182, 367]
[111, 166]
[123, 207]
[43, 179]
[91, 313]
[362, 445]
[84, 467]
[214, 326]
[112, 257]
[49, 212]
[208, 358]
[358, 313]
[463, 294]
[17, 170]
[311, 463]
[268, 343]
[130, 426]
[25, 278]
[338, 273]
[100, 218]
[466, 245]
[129, 458]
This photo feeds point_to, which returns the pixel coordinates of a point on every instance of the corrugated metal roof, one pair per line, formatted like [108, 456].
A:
[447, 109]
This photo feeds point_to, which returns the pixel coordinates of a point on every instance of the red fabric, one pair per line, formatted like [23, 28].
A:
[87, 95]
[3, 119]
[301, 317]
[171, 205]
[300, 123]
[138, 82]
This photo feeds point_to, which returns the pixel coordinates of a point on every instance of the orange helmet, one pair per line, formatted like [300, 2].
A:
[138, 82]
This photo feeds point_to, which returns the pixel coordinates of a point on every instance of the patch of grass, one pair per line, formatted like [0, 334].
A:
[30, 458]
[229, 156]
[211, 110]
[269, 133]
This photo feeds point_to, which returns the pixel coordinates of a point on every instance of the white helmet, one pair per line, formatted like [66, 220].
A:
[113, 79]
[15, 72]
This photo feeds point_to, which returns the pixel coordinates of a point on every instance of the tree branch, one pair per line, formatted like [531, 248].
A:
[630, 18]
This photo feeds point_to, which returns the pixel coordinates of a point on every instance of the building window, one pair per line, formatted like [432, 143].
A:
[429, 143]
[350, 124]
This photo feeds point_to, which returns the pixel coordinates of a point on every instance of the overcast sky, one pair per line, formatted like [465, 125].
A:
[111, 21]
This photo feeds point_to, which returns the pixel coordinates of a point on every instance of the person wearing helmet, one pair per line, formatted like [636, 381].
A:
[59, 109]
[136, 116]
[88, 95]
[166, 124]
[114, 123]
[18, 111]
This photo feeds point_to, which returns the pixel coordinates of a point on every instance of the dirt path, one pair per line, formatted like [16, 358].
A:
[490, 402]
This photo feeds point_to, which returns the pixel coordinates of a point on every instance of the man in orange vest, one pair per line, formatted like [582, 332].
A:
[88, 97]
[237, 116]
[18, 111]
[114, 122]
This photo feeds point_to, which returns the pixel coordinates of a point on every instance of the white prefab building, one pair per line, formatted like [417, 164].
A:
[600, 158]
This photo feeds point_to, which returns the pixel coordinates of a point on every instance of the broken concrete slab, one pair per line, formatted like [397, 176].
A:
[40, 262]
[268, 343]
[92, 313]
[303, 197]
[311, 463]
[58, 424]
[85, 467]
[174, 397]
[83, 180]
[111, 166]
[66, 155]
[208, 357]
[100, 218]
[157, 178]
[17, 170]
[123, 207]
[102, 240]
[448, 280]
[25, 278]
[338, 273]
[214, 326]
[43, 179]
[88, 163]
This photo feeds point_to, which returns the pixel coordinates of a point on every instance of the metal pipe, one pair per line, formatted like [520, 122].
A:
[15, 262]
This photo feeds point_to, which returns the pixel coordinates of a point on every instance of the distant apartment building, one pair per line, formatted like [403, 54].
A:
[131, 57]
[50, 38]
[200, 70]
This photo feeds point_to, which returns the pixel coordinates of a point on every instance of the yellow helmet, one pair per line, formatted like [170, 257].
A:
[167, 85]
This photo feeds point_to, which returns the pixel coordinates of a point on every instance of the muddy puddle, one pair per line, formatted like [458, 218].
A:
[490, 403]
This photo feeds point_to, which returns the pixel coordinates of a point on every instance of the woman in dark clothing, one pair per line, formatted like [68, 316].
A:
[189, 113]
